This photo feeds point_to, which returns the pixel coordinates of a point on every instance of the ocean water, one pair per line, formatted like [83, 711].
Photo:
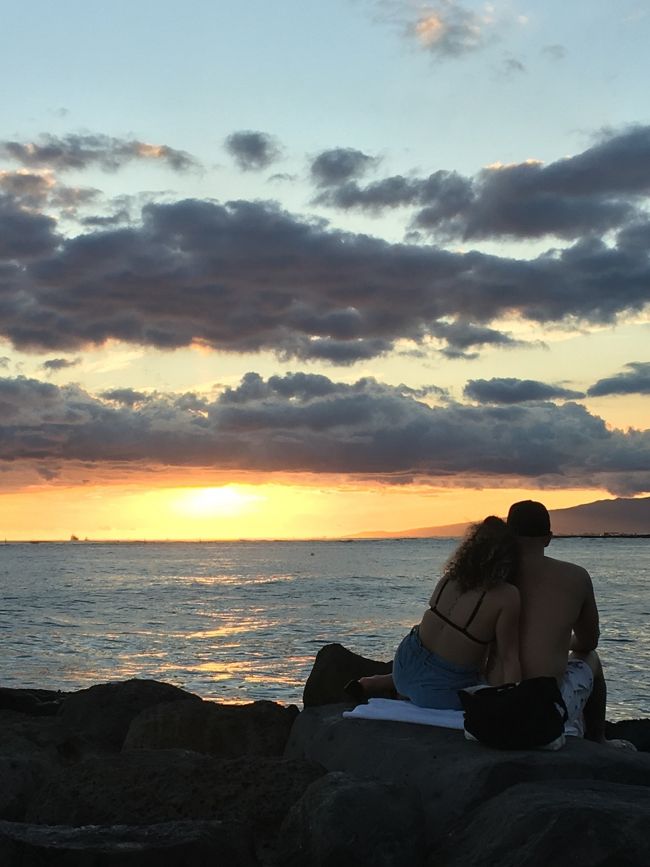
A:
[244, 620]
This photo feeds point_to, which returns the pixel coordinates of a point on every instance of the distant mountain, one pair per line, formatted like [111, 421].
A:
[603, 516]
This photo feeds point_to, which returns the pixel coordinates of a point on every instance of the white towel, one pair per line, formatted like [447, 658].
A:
[406, 711]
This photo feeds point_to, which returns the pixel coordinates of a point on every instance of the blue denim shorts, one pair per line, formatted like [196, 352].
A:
[427, 679]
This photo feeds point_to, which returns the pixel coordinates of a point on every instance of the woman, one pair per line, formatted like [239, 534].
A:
[472, 622]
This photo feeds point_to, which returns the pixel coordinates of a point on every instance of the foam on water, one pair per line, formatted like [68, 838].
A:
[240, 621]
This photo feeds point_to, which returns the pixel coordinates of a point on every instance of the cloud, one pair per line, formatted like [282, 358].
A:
[252, 151]
[602, 189]
[508, 390]
[447, 29]
[461, 336]
[23, 234]
[513, 66]
[82, 151]
[4, 362]
[247, 277]
[634, 380]
[54, 365]
[554, 52]
[309, 423]
[41, 190]
[126, 396]
[338, 165]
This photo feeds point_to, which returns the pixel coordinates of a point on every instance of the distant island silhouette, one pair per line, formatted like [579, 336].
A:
[620, 517]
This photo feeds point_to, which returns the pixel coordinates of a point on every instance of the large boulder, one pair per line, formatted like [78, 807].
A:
[452, 775]
[35, 702]
[258, 729]
[20, 779]
[173, 844]
[560, 823]
[103, 713]
[637, 731]
[143, 787]
[334, 666]
[43, 737]
[341, 820]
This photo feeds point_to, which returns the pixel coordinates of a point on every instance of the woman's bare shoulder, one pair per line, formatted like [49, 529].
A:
[505, 593]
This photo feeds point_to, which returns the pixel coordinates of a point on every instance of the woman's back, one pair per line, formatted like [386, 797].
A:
[474, 609]
[461, 625]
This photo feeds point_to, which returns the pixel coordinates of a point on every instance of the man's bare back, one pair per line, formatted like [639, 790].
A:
[558, 624]
[558, 611]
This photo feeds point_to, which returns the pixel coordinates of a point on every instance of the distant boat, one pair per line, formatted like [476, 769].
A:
[74, 538]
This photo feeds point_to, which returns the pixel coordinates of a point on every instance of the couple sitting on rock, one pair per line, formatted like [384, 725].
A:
[502, 610]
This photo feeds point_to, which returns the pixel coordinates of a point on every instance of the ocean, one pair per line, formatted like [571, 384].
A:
[238, 621]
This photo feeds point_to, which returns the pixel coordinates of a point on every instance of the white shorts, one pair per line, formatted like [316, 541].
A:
[576, 687]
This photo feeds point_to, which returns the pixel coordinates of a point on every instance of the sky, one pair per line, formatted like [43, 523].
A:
[299, 269]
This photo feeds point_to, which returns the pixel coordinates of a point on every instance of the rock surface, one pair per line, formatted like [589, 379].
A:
[560, 823]
[258, 729]
[103, 713]
[342, 820]
[149, 786]
[143, 773]
[173, 844]
[333, 667]
[453, 776]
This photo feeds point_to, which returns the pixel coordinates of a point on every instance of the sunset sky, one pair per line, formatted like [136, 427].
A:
[301, 269]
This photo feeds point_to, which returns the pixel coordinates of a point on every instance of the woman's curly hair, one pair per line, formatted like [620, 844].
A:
[487, 556]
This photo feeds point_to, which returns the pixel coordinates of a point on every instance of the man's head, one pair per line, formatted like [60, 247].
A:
[530, 519]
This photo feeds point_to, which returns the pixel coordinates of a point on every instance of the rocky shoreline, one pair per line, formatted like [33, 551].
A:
[141, 773]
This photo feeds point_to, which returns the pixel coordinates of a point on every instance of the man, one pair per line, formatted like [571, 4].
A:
[559, 627]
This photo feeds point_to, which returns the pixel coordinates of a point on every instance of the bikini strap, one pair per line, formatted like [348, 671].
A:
[437, 599]
[475, 611]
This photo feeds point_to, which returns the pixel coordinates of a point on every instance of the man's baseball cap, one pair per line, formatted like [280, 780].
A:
[529, 518]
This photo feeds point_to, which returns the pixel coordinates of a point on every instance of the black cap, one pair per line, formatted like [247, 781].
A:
[529, 518]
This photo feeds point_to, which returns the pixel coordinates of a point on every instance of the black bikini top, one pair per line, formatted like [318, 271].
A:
[461, 629]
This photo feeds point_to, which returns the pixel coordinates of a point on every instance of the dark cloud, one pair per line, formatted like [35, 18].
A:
[507, 390]
[635, 379]
[126, 396]
[459, 337]
[308, 423]
[513, 66]
[443, 194]
[247, 277]
[33, 190]
[81, 151]
[599, 190]
[23, 234]
[53, 365]
[338, 165]
[252, 151]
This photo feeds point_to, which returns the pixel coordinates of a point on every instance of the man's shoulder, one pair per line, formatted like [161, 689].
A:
[566, 569]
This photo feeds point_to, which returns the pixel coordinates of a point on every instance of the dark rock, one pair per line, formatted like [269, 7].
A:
[103, 713]
[142, 787]
[344, 821]
[564, 824]
[36, 702]
[452, 775]
[258, 729]
[172, 844]
[334, 666]
[637, 731]
[20, 778]
[42, 737]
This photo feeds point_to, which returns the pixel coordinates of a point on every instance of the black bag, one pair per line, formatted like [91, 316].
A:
[516, 716]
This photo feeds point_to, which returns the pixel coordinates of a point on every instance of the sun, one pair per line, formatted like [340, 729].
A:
[227, 500]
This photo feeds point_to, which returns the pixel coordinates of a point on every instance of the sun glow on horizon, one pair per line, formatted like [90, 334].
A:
[228, 500]
[266, 510]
